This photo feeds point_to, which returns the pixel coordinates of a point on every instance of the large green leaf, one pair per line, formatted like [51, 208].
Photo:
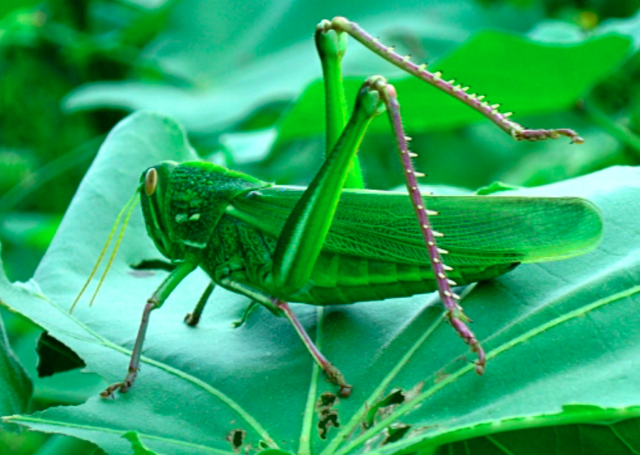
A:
[561, 338]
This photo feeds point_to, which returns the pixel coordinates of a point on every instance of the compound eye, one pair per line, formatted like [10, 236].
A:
[151, 181]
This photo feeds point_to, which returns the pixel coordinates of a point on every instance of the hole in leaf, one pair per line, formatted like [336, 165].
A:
[236, 439]
[395, 432]
[327, 416]
[393, 398]
[387, 405]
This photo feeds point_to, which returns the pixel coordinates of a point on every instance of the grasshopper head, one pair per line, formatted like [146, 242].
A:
[153, 196]
[182, 203]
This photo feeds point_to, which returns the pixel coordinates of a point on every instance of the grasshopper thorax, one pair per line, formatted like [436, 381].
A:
[182, 203]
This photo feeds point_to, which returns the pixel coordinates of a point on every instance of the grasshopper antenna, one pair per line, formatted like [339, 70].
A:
[126, 211]
[131, 204]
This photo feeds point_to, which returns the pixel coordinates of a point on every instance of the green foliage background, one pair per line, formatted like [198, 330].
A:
[243, 80]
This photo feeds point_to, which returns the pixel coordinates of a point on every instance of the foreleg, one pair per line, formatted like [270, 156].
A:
[155, 301]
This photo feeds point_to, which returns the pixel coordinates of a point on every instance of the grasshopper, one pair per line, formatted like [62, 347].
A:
[336, 243]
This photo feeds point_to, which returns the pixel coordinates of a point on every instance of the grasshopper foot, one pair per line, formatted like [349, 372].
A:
[334, 375]
[121, 387]
[108, 392]
[192, 319]
[337, 377]
[469, 337]
[542, 134]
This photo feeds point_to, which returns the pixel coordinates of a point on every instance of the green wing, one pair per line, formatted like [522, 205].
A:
[478, 230]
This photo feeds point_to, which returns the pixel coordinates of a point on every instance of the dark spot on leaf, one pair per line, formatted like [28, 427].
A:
[327, 416]
[236, 439]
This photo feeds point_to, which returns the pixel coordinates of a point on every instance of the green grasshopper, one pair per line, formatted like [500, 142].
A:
[336, 243]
